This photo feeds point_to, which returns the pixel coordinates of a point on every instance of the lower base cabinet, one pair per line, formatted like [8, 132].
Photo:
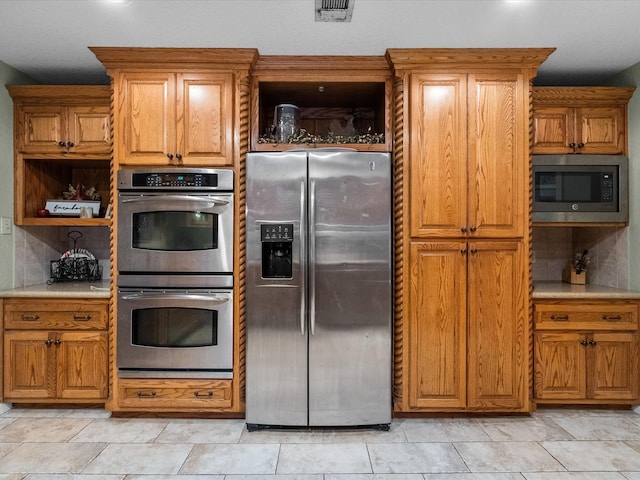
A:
[586, 352]
[55, 351]
[173, 395]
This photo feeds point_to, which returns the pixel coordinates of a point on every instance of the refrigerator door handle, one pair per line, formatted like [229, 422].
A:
[312, 256]
[303, 268]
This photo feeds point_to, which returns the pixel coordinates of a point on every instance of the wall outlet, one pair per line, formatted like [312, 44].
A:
[5, 225]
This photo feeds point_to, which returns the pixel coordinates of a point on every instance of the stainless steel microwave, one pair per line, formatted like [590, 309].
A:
[580, 188]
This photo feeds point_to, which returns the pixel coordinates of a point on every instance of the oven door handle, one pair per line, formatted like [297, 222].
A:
[215, 299]
[178, 198]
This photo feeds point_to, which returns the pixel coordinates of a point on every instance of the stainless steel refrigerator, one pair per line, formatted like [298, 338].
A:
[318, 289]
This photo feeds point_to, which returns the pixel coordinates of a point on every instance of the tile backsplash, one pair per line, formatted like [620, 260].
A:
[35, 247]
[608, 249]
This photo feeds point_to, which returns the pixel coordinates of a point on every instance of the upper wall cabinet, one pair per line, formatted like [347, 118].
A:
[66, 121]
[175, 118]
[62, 137]
[340, 101]
[176, 106]
[590, 120]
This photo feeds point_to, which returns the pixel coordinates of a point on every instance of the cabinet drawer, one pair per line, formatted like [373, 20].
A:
[174, 394]
[55, 314]
[592, 316]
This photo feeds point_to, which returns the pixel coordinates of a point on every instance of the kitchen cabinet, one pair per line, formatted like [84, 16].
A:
[183, 118]
[344, 101]
[62, 137]
[590, 120]
[467, 150]
[466, 349]
[55, 350]
[462, 329]
[586, 351]
[179, 106]
[169, 395]
[63, 130]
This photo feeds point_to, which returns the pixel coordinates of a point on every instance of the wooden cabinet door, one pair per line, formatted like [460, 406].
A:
[437, 326]
[498, 148]
[81, 365]
[613, 367]
[90, 129]
[560, 369]
[553, 130]
[498, 327]
[601, 130]
[438, 150]
[28, 365]
[205, 119]
[146, 118]
[43, 128]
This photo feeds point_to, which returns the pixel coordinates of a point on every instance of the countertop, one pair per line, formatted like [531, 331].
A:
[61, 290]
[561, 290]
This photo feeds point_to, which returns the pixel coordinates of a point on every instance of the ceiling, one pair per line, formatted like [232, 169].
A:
[48, 39]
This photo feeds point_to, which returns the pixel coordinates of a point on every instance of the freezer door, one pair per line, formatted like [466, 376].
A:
[276, 351]
[350, 306]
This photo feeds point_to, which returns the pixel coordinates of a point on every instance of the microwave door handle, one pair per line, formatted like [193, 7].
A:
[178, 198]
[215, 299]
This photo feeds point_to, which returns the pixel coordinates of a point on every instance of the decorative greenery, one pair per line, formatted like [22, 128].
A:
[305, 138]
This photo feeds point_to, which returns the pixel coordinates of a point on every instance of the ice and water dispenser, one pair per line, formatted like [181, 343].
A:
[277, 243]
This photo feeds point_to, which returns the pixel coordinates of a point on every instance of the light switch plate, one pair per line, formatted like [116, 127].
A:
[5, 225]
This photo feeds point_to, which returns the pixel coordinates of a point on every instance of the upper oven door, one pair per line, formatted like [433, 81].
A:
[175, 233]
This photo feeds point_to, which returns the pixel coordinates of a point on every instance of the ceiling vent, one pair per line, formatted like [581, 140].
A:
[334, 10]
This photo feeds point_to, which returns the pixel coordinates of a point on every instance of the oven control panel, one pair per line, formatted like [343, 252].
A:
[175, 179]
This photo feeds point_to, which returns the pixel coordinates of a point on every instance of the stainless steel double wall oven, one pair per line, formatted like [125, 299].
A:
[175, 272]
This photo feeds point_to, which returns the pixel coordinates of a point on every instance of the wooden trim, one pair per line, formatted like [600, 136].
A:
[578, 96]
[322, 66]
[467, 58]
[59, 94]
[171, 58]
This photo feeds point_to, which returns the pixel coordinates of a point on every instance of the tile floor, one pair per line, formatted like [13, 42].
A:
[548, 445]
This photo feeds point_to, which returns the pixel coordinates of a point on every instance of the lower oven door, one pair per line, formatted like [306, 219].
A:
[175, 232]
[175, 333]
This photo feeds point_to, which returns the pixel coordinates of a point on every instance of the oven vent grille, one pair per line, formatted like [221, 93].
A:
[334, 10]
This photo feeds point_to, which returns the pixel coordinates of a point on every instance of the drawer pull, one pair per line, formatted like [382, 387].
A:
[560, 318]
[82, 318]
[208, 394]
[30, 318]
[612, 317]
[146, 394]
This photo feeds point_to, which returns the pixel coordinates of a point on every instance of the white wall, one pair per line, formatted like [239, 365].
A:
[629, 78]
[8, 76]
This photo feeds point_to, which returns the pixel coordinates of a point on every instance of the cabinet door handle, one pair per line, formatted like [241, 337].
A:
[146, 394]
[592, 342]
[178, 156]
[583, 343]
[611, 317]
[463, 251]
[203, 395]
[48, 342]
[463, 229]
[81, 318]
[30, 318]
[170, 156]
[572, 145]
[62, 144]
[473, 229]
[70, 144]
[474, 251]
[57, 342]
[559, 318]
[581, 145]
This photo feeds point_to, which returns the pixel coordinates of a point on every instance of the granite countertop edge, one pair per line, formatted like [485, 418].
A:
[60, 290]
[561, 290]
